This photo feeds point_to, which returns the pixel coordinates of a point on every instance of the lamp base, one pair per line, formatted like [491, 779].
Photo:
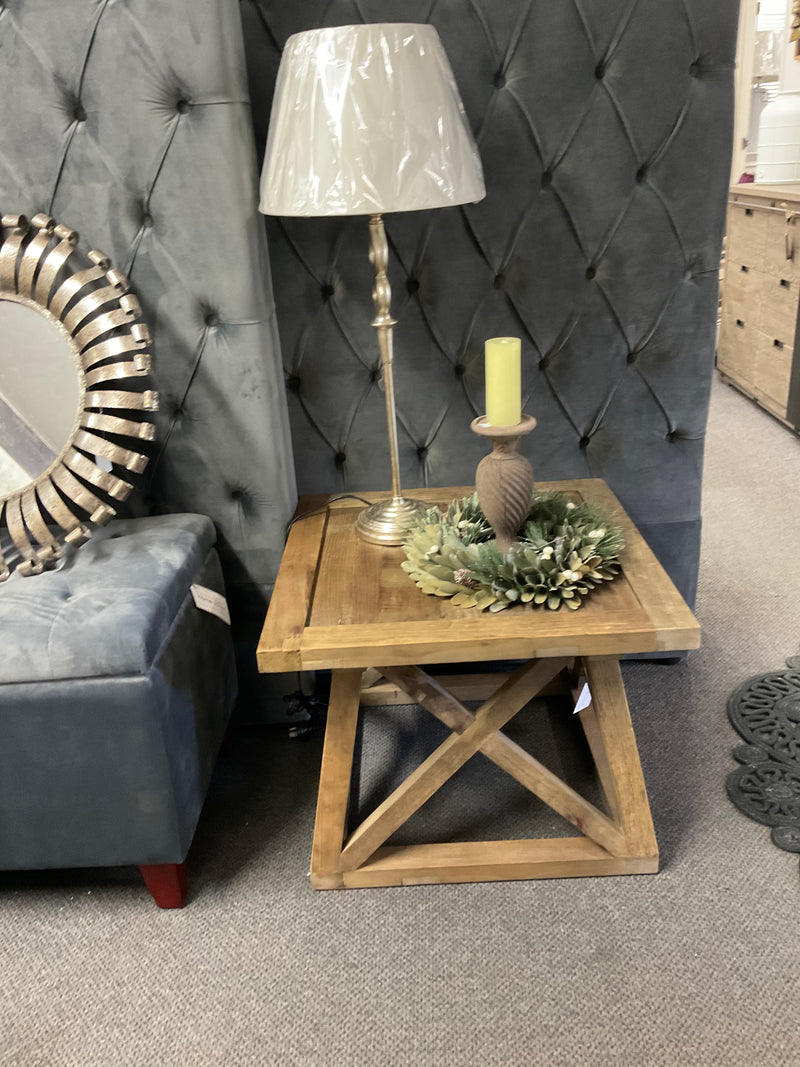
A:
[386, 522]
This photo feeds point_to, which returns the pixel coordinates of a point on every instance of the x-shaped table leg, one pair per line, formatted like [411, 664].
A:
[452, 754]
[513, 759]
[625, 844]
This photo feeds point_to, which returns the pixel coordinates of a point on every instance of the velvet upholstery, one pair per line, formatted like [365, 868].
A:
[107, 750]
[130, 122]
[110, 606]
[605, 134]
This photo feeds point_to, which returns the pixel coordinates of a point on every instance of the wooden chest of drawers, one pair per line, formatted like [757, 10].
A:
[760, 290]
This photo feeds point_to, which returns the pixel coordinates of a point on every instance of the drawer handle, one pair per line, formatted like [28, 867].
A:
[789, 245]
[777, 343]
[740, 324]
[785, 284]
[744, 270]
[748, 211]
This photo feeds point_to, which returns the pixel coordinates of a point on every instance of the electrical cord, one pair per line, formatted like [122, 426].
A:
[322, 507]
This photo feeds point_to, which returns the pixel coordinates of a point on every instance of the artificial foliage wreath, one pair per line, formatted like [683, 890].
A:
[563, 550]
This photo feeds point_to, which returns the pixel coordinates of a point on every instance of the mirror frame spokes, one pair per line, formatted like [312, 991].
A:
[94, 310]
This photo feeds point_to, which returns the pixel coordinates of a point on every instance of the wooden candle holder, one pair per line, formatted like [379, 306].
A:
[504, 478]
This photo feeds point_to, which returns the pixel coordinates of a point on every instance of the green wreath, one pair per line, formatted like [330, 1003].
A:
[563, 551]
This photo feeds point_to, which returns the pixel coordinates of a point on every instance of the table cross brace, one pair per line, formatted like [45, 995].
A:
[513, 759]
[622, 843]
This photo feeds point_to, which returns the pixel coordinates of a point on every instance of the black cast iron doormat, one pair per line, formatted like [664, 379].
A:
[766, 712]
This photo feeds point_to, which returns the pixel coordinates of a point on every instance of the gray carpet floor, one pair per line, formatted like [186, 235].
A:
[697, 965]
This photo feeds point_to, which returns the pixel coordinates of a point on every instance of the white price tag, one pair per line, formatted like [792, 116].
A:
[584, 699]
[213, 603]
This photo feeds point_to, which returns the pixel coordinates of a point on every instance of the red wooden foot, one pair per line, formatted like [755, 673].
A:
[167, 883]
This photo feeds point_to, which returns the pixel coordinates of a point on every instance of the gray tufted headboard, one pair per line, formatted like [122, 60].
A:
[605, 133]
[129, 121]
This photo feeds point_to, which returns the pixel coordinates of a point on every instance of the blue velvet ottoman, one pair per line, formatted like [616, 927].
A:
[115, 691]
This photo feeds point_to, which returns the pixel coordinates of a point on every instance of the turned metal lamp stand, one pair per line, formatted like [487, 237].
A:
[368, 119]
[384, 523]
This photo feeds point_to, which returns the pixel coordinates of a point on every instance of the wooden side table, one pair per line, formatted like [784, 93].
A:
[345, 605]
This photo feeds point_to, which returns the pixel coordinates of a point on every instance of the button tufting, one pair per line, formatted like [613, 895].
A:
[624, 307]
[79, 113]
[147, 220]
[212, 319]
[182, 106]
[374, 375]
[422, 451]
[327, 291]
[673, 436]
[293, 383]
[237, 494]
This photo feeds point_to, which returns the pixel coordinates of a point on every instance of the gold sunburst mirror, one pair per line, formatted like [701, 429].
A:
[75, 402]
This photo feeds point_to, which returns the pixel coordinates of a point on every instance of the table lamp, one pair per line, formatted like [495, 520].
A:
[368, 119]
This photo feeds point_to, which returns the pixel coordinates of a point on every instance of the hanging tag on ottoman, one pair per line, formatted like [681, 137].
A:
[214, 603]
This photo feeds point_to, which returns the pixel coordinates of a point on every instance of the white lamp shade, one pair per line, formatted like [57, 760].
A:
[367, 119]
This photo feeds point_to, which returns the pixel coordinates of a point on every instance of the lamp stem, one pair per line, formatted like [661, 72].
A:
[386, 522]
[384, 324]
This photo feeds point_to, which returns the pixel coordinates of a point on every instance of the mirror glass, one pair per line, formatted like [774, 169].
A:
[39, 393]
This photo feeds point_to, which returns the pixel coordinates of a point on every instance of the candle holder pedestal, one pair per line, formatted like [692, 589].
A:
[504, 478]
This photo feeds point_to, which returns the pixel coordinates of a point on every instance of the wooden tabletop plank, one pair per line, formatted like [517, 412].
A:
[361, 584]
[349, 579]
[279, 645]
[469, 642]
[656, 591]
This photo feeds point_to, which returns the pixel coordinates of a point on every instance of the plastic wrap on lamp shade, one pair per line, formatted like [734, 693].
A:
[367, 119]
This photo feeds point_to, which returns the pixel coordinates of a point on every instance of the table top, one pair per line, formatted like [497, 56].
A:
[341, 602]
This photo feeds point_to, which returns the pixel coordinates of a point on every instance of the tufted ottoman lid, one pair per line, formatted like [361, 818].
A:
[108, 607]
